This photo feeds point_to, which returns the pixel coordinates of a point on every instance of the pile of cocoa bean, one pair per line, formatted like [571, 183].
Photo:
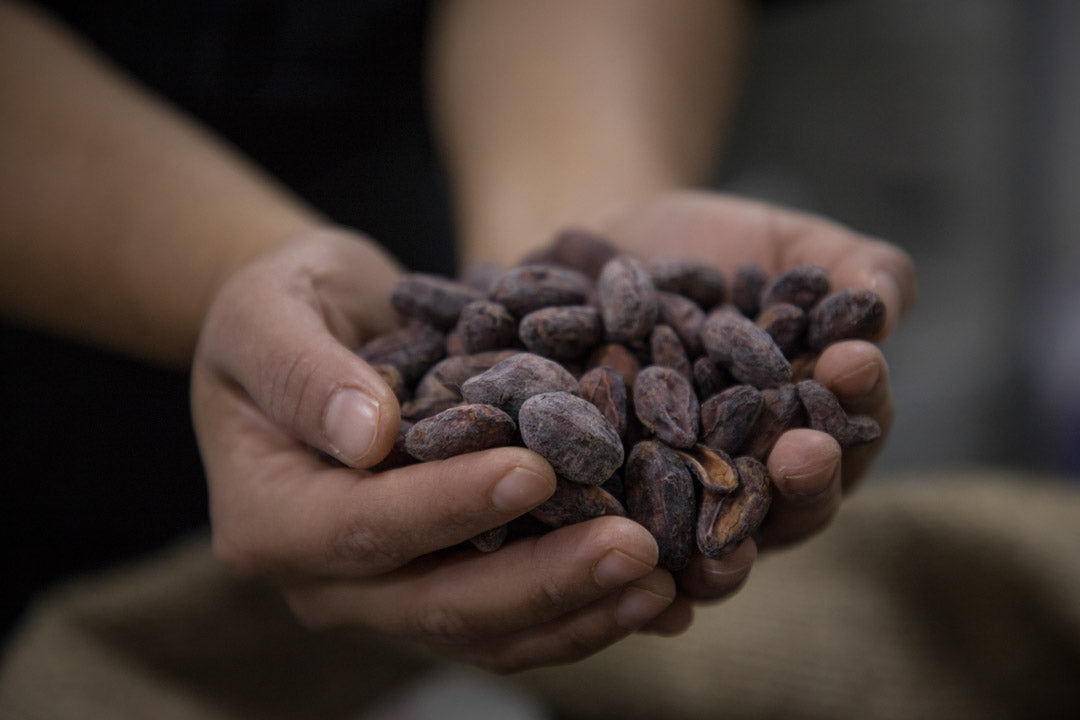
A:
[655, 388]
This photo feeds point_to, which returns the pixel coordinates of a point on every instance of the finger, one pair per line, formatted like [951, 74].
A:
[283, 328]
[706, 580]
[674, 620]
[804, 466]
[858, 375]
[464, 596]
[583, 632]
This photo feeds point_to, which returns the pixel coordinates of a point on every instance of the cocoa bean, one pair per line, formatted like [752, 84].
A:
[604, 387]
[490, 540]
[709, 378]
[459, 430]
[511, 381]
[748, 352]
[573, 503]
[780, 411]
[703, 283]
[845, 314]
[668, 351]
[562, 332]
[578, 249]
[685, 317]
[484, 325]
[660, 495]
[627, 298]
[571, 434]
[747, 287]
[411, 349]
[786, 325]
[725, 520]
[728, 418]
[530, 287]
[444, 379]
[431, 298]
[619, 358]
[825, 413]
[665, 403]
[712, 469]
[802, 285]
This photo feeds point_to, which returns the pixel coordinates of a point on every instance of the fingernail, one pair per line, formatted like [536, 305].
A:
[617, 568]
[520, 489]
[637, 607]
[350, 425]
[861, 380]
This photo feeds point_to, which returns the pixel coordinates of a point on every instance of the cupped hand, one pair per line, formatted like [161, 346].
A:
[276, 384]
[808, 470]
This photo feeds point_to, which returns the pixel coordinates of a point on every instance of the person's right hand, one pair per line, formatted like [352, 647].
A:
[275, 376]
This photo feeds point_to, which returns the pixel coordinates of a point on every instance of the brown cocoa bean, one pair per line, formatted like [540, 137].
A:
[511, 381]
[668, 351]
[660, 495]
[665, 403]
[563, 332]
[445, 378]
[709, 378]
[604, 387]
[825, 413]
[618, 357]
[725, 520]
[490, 540]
[392, 377]
[786, 324]
[802, 285]
[459, 430]
[703, 283]
[747, 287]
[712, 469]
[526, 288]
[685, 317]
[431, 298]
[484, 325]
[578, 249]
[627, 298]
[398, 455]
[851, 313]
[780, 411]
[748, 352]
[571, 434]
[729, 417]
[411, 348]
[419, 408]
[573, 503]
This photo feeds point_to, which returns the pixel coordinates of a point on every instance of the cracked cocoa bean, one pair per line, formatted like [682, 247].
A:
[712, 469]
[748, 352]
[572, 435]
[511, 381]
[431, 298]
[802, 285]
[604, 387]
[665, 403]
[729, 417]
[726, 519]
[660, 495]
[562, 332]
[573, 503]
[851, 313]
[703, 283]
[627, 298]
[530, 287]
[459, 430]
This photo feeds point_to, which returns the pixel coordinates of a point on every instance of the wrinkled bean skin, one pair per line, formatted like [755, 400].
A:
[459, 430]
[577, 249]
[490, 540]
[802, 286]
[511, 381]
[571, 434]
[660, 495]
[824, 413]
[725, 520]
[786, 325]
[530, 287]
[748, 352]
[703, 283]
[618, 357]
[667, 350]
[685, 317]
[604, 387]
[483, 325]
[728, 418]
[431, 298]
[780, 410]
[444, 379]
[411, 349]
[853, 313]
[709, 378]
[665, 403]
[573, 503]
[563, 332]
[628, 302]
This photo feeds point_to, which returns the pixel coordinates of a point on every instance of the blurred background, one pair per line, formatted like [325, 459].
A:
[952, 128]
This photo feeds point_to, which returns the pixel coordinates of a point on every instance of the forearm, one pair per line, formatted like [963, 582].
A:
[118, 217]
[550, 111]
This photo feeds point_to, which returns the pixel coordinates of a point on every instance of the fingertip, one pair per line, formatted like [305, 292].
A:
[805, 463]
[359, 426]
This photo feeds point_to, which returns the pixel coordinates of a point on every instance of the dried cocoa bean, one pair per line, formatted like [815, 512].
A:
[419, 408]
[668, 351]
[618, 357]
[604, 387]
[444, 379]
[411, 349]
[845, 314]
[660, 495]
[578, 249]
[431, 298]
[709, 378]
[573, 503]
[392, 377]
[786, 324]
[665, 403]
[703, 283]
[398, 455]
[728, 418]
[824, 413]
[725, 520]
[712, 469]
[685, 317]
[571, 434]
[530, 287]
[780, 411]
[483, 325]
[749, 284]
[748, 352]
[562, 332]
[511, 381]
[627, 297]
[802, 285]
[490, 540]
[459, 430]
